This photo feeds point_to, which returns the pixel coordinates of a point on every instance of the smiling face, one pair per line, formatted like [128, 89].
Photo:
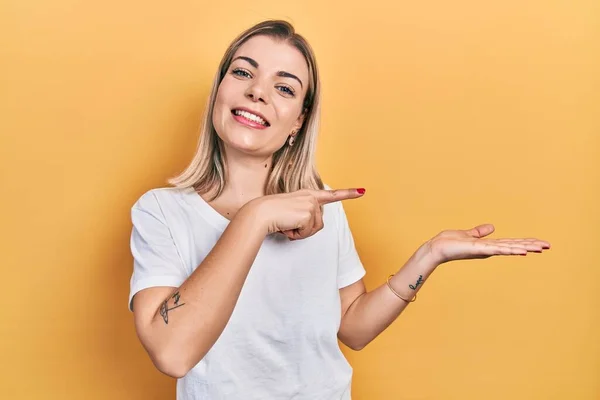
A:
[259, 102]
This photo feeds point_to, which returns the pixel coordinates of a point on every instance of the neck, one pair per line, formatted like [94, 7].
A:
[246, 176]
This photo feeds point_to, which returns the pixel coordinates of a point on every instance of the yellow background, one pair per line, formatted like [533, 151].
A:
[450, 113]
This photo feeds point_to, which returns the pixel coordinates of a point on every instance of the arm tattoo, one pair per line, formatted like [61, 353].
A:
[419, 282]
[164, 308]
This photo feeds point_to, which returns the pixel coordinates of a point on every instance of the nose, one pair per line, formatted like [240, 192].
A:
[256, 93]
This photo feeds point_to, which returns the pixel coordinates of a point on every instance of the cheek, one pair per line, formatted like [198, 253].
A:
[221, 107]
[288, 113]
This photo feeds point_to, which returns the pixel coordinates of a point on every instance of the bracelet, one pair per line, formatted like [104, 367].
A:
[396, 293]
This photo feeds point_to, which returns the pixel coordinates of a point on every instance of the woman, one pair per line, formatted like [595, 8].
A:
[245, 271]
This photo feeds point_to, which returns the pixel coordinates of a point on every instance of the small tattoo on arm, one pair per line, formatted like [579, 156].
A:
[419, 282]
[164, 308]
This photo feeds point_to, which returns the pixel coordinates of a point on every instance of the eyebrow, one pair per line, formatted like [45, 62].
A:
[283, 74]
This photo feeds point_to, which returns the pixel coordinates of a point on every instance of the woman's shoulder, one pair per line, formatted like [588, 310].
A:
[159, 196]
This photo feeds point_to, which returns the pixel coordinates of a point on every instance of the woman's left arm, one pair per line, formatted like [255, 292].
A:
[366, 314]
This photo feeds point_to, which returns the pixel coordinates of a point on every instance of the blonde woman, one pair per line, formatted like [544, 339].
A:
[245, 271]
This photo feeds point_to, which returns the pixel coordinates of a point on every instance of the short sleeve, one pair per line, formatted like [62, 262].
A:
[156, 260]
[350, 267]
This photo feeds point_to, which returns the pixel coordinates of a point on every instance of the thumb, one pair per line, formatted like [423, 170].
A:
[481, 230]
[291, 234]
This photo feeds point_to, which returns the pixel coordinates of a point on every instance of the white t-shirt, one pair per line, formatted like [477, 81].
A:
[281, 340]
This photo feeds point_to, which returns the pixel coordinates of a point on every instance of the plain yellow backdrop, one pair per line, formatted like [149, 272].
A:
[449, 113]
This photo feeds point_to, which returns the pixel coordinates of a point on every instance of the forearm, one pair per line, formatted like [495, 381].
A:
[187, 324]
[374, 311]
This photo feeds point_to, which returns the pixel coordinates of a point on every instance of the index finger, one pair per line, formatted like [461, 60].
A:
[329, 196]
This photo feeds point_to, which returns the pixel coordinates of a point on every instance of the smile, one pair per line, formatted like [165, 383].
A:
[250, 119]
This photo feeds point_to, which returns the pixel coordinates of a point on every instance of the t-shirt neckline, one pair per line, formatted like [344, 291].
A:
[208, 212]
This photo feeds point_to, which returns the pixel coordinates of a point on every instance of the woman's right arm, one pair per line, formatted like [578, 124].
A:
[177, 326]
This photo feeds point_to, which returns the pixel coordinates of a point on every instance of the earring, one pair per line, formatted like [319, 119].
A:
[292, 139]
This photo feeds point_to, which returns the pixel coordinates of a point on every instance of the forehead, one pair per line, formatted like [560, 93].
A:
[274, 55]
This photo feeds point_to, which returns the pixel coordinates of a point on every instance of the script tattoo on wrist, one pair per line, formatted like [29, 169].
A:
[164, 308]
[419, 282]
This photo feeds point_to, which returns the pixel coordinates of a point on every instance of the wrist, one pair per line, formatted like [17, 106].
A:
[426, 258]
[254, 211]
[408, 280]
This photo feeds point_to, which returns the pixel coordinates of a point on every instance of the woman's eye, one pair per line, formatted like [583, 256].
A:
[241, 72]
[286, 90]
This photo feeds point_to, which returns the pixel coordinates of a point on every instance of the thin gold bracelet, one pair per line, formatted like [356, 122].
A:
[396, 293]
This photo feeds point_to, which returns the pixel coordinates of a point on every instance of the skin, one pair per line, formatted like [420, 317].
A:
[278, 99]
[178, 326]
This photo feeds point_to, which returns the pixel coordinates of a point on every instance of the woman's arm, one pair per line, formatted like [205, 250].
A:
[177, 326]
[366, 315]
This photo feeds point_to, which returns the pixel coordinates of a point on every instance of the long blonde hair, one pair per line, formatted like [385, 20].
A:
[293, 167]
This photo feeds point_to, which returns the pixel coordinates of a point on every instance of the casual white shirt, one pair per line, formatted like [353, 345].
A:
[281, 340]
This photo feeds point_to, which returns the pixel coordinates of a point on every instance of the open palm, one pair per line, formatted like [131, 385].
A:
[452, 245]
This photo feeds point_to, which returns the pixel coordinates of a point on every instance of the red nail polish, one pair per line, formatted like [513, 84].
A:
[360, 191]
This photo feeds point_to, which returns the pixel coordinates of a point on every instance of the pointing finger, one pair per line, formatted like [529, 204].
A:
[330, 196]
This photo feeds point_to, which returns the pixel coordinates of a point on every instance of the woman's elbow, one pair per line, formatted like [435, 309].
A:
[172, 364]
[358, 346]
[352, 344]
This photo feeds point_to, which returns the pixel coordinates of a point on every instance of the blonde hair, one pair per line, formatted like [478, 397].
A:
[293, 167]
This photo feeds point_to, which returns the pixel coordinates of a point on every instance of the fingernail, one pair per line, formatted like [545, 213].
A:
[360, 191]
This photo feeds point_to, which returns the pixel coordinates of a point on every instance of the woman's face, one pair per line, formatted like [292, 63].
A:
[259, 101]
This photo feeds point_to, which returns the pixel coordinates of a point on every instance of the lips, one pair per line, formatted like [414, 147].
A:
[252, 117]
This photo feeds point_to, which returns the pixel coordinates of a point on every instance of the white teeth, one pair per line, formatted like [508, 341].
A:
[250, 116]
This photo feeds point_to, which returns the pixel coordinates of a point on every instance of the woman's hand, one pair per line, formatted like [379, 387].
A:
[452, 245]
[298, 215]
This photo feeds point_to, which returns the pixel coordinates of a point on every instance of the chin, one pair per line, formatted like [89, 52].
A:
[247, 140]
[244, 143]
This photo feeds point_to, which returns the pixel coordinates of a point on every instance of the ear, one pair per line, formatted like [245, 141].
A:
[298, 124]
